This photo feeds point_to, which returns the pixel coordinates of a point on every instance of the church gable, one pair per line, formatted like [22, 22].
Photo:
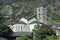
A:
[24, 20]
[33, 19]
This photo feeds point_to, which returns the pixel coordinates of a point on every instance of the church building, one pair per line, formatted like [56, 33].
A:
[25, 25]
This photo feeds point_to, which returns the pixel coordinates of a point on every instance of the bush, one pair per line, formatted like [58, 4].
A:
[22, 38]
[50, 38]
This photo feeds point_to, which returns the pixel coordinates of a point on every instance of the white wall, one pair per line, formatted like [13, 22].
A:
[19, 28]
[57, 32]
[24, 20]
[32, 26]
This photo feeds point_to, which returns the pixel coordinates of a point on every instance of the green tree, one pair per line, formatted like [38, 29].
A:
[22, 38]
[50, 38]
[27, 37]
[4, 29]
[44, 33]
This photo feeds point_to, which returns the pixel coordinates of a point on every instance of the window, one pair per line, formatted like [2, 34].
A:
[39, 10]
[39, 16]
[39, 13]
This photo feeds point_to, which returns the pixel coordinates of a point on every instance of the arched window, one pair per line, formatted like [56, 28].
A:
[39, 16]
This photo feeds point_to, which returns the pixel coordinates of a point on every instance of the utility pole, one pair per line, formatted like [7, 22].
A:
[51, 18]
[34, 35]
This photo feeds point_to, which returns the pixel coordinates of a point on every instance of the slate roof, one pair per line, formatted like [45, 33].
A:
[36, 22]
[32, 17]
[20, 22]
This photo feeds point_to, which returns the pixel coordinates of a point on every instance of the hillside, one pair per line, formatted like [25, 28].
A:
[15, 9]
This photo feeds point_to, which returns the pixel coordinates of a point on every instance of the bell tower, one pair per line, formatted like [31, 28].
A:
[41, 15]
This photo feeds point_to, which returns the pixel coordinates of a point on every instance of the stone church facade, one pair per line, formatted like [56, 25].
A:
[25, 25]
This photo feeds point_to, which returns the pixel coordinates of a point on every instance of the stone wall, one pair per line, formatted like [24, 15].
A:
[2, 38]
